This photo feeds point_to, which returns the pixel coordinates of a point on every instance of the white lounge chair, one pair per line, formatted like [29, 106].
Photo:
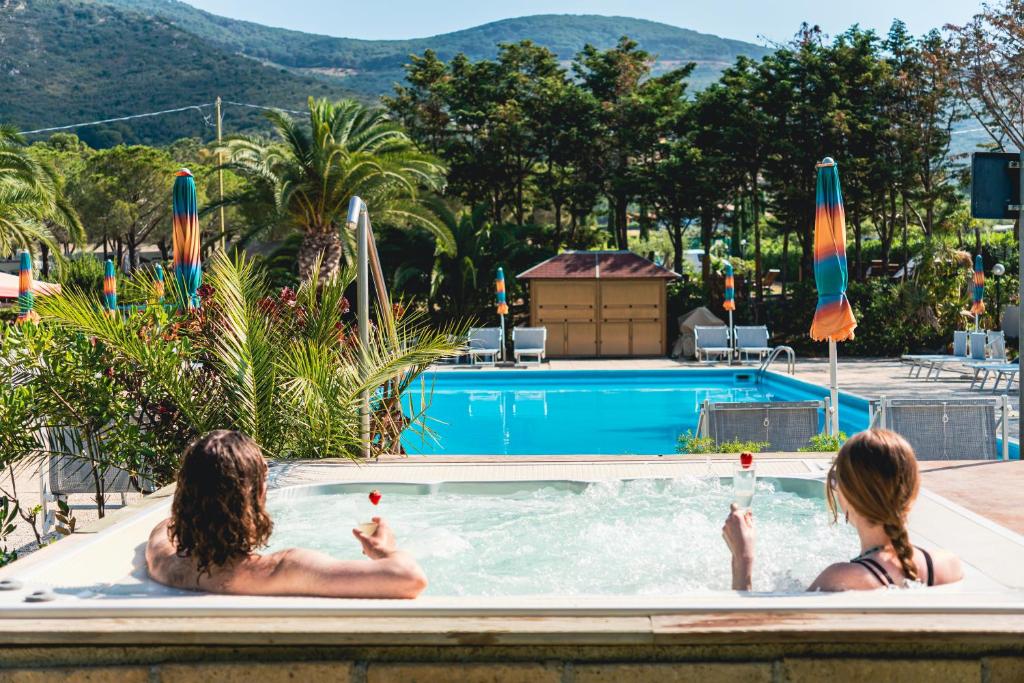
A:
[752, 339]
[1000, 368]
[784, 425]
[920, 361]
[529, 341]
[947, 428]
[711, 341]
[484, 343]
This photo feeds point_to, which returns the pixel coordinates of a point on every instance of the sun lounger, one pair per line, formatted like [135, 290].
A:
[529, 341]
[65, 471]
[484, 345]
[921, 361]
[947, 429]
[711, 341]
[784, 425]
[1001, 369]
[752, 339]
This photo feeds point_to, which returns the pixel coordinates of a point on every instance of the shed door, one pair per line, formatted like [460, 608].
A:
[631, 317]
[567, 309]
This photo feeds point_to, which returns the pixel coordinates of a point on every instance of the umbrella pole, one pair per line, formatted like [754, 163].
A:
[833, 384]
[732, 339]
[501, 348]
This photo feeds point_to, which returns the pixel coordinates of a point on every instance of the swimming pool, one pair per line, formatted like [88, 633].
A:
[596, 412]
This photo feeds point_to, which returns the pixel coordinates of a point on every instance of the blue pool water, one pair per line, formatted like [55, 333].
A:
[600, 412]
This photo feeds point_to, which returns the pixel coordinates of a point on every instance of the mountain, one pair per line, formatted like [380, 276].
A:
[371, 67]
[68, 61]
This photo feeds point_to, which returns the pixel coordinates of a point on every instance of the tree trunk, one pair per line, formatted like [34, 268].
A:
[858, 258]
[165, 251]
[44, 253]
[706, 223]
[676, 233]
[785, 262]
[758, 266]
[620, 205]
[315, 244]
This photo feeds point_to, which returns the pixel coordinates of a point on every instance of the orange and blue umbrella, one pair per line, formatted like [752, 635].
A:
[978, 291]
[26, 297]
[730, 289]
[185, 232]
[833, 318]
[499, 285]
[158, 282]
[109, 288]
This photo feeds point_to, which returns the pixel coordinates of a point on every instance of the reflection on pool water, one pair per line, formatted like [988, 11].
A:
[652, 536]
[604, 412]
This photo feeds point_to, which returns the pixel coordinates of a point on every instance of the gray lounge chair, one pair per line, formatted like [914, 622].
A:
[529, 341]
[64, 471]
[752, 339]
[785, 425]
[947, 429]
[918, 362]
[484, 343]
[711, 341]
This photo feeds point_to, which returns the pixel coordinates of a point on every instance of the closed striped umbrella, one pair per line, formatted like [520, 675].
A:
[833, 318]
[185, 232]
[499, 285]
[158, 282]
[26, 297]
[109, 288]
[730, 289]
[978, 290]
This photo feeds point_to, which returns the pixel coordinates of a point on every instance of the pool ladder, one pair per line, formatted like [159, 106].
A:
[776, 352]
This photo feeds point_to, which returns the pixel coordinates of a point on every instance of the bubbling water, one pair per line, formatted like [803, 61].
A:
[639, 537]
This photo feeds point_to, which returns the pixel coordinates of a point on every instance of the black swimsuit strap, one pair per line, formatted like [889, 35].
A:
[928, 563]
[877, 570]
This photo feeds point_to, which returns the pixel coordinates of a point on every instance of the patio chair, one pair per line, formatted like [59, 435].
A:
[529, 341]
[752, 339]
[484, 342]
[977, 346]
[711, 341]
[1000, 368]
[785, 425]
[947, 428]
[64, 471]
[921, 361]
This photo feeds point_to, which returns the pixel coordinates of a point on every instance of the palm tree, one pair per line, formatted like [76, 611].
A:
[31, 197]
[285, 368]
[305, 179]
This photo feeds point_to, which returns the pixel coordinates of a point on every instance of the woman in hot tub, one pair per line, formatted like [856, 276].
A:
[874, 482]
[219, 520]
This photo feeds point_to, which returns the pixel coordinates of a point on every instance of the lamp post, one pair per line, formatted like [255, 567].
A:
[998, 270]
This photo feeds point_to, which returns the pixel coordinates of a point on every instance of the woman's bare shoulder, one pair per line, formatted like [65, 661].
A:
[947, 566]
[844, 576]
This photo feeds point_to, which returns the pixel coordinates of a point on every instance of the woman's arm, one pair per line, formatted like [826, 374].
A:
[738, 532]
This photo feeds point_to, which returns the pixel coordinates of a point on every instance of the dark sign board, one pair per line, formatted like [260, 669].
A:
[995, 185]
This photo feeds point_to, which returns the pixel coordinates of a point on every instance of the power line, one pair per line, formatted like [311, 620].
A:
[197, 107]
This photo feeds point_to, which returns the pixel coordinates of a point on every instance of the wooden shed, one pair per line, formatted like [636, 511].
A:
[600, 303]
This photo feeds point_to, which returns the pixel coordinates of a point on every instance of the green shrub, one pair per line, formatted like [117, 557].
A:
[692, 444]
[83, 272]
[824, 443]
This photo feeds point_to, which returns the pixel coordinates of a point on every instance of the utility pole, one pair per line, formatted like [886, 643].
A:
[220, 178]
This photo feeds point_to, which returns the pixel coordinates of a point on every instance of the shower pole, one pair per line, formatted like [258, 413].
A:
[357, 219]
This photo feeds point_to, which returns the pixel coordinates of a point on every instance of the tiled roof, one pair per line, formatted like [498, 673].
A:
[596, 265]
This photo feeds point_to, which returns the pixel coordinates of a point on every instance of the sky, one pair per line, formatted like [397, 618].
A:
[751, 20]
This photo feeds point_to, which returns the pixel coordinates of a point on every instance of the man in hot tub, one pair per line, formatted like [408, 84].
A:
[219, 521]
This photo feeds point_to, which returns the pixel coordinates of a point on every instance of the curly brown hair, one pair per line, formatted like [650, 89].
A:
[877, 473]
[219, 511]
